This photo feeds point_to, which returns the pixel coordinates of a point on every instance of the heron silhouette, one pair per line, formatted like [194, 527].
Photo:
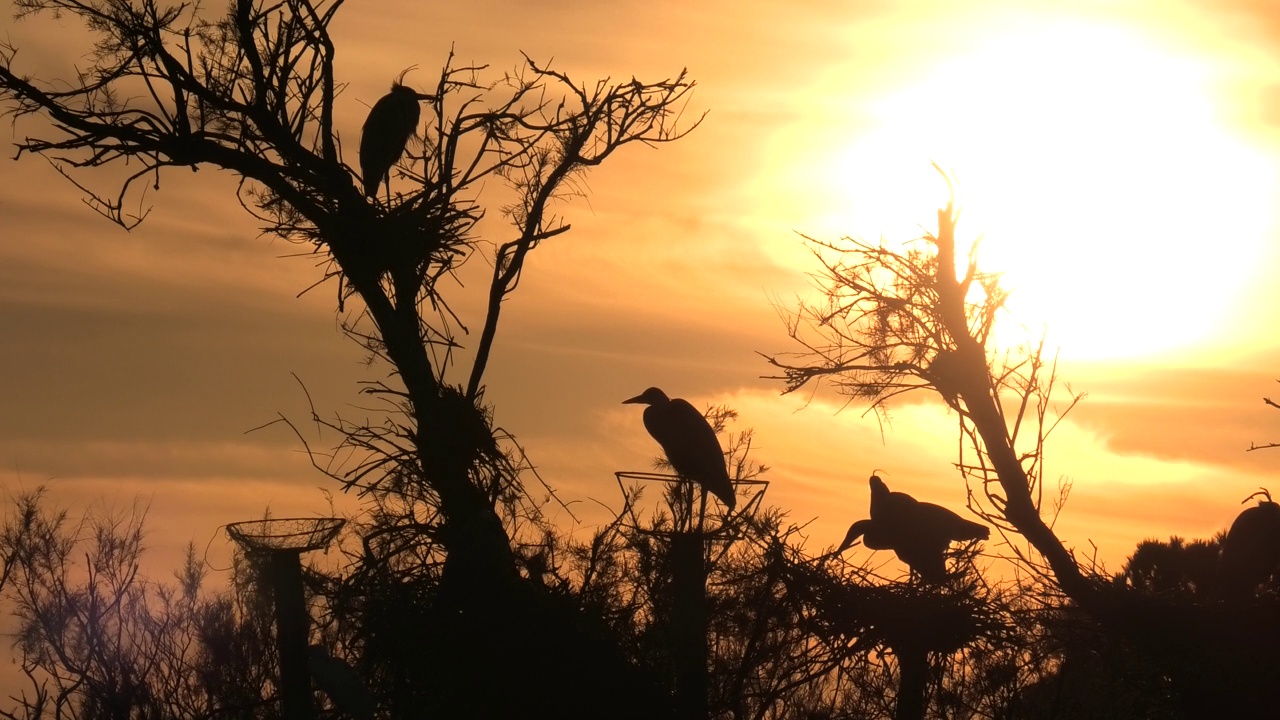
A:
[689, 443]
[1251, 550]
[919, 533]
[391, 122]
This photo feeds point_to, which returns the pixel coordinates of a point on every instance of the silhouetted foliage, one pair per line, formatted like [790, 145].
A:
[97, 639]
[1174, 567]
[1084, 671]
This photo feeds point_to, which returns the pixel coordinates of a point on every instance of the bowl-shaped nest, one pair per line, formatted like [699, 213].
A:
[285, 534]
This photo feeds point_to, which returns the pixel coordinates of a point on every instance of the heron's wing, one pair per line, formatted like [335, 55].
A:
[949, 524]
[902, 504]
[894, 508]
[375, 145]
[386, 131]
[922, 550]
[1258, 525]
[1252, 547]
[691, 445]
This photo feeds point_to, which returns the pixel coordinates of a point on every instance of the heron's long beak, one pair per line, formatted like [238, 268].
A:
[845, 546]
[636, 399]
[837, 552]
[855, 532]
[425, 96]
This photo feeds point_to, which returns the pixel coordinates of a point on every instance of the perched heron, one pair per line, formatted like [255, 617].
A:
[917, 532]
[392, 121]
[688, 441]
[1251, 551]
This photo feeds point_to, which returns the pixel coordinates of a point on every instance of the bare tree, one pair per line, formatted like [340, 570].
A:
[1264, 446]
[252, 91]
[897, 320]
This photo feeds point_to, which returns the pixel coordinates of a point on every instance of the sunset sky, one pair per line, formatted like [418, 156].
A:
[1121, 161]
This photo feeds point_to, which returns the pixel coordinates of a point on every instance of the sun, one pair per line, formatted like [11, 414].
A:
[1126, 215]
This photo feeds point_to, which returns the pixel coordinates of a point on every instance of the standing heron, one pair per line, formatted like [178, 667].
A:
[688, 441]
[917, 532]
[1251, 550]
[391, 122]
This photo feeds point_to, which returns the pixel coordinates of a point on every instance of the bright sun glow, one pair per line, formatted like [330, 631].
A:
[1124, 214]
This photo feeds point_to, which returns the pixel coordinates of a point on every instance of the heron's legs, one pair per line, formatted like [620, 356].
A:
[702, 510]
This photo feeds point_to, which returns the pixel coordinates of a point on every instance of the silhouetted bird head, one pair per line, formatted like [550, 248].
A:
[879, 490]
[856, 531]
[398, 86]
[406, 91]
[652, 396]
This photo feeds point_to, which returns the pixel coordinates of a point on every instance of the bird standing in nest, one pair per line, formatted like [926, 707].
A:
[391, 122]
[919, 533]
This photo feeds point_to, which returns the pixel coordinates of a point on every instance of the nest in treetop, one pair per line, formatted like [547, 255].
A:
[898, 616]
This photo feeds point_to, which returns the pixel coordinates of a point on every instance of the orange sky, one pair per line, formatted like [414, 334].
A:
[1120, 161]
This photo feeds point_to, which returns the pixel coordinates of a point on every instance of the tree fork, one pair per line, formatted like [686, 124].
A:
[444, 457]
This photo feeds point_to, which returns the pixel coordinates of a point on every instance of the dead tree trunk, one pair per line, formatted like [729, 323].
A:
[971, 381]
